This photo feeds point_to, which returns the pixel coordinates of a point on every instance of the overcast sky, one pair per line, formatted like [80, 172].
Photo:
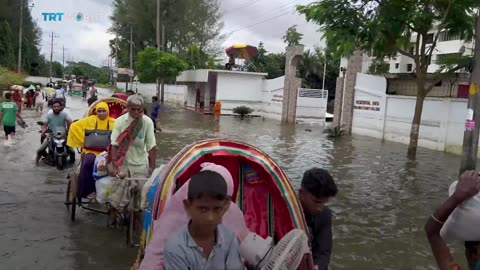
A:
[246, 21]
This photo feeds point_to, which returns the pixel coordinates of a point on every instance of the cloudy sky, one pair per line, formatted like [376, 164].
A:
[246, 21]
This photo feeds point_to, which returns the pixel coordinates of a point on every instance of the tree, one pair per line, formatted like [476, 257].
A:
[57, 69]
[292, 37]
[31, 58]
[378, 67]
[154, 64]
[391, 27]
[7, 55]
[82, 69]
[187, 23]
[195, 57]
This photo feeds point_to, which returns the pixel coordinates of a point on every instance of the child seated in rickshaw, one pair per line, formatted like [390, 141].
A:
[204, 243]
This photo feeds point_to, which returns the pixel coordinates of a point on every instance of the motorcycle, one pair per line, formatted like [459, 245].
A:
[57, 150]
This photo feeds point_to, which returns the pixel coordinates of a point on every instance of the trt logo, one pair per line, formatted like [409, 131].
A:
[49, 16]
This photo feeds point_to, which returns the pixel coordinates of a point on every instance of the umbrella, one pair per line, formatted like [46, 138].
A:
[242, 51]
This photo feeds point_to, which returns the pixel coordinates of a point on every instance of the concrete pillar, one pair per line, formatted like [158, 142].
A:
[206, 99]
[344, 119]
[291, 83]
[338, 101]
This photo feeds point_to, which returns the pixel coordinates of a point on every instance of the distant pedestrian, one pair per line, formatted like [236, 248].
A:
[217, 110]
[155, 111]
[39, 99]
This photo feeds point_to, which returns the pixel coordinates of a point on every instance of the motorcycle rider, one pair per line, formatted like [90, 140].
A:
[62, 108]
[58, 118]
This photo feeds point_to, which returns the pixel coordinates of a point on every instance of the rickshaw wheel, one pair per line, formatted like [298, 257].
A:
[74, 209]
[71, 198]
[67, 199]
[133, 224]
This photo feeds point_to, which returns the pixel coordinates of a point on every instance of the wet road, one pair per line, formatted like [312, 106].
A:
[379, 214]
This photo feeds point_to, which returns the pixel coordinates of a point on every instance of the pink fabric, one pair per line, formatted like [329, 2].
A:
[174, 217]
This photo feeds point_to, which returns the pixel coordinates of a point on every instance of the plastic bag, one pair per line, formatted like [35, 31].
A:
[464, 223]
[103, 187]
[100, 166]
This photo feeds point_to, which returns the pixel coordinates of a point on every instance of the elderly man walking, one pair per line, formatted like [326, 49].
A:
[133, 148]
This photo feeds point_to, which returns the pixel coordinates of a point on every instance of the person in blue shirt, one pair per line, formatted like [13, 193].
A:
[204, 243]
[155, 111]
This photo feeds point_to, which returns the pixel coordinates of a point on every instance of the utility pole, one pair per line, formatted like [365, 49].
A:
[63, 61]
[20, 37]
[324, 72]
[472, 122]
[115, 74]
[52, 36]
[158, 43]
[131, 57]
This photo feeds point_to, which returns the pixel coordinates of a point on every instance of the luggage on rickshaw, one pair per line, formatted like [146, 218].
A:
[74, 199]
[262, 190]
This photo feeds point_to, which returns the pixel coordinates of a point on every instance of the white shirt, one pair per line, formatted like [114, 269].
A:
[40, 97]
[59, 93]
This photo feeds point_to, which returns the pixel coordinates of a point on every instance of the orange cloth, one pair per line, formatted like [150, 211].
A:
[217, 109]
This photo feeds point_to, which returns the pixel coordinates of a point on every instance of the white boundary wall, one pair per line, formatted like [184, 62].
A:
[389, 117]
[175, 94]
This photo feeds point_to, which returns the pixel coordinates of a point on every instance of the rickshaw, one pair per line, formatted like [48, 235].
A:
[262, 190]
[74, 200]
[120, 95]
[76, 90]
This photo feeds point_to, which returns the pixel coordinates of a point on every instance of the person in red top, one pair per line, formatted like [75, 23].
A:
[468, 186]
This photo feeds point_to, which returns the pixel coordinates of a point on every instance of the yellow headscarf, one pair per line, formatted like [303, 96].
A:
[76, 133]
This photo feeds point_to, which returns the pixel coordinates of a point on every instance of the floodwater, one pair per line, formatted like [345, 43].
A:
[380, 211]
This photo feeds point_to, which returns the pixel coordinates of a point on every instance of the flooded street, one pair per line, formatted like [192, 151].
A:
[383, 203]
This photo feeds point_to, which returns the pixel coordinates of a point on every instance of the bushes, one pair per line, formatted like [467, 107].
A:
[8, 78]
[334, 132]
[242, 111]
[27, 84]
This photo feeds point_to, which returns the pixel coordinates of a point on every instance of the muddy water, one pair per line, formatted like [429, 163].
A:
[379, 214]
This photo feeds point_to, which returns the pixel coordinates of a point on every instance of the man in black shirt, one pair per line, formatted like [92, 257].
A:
[318, 187]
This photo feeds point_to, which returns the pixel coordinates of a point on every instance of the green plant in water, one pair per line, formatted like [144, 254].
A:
[242, 111]
[334, 132]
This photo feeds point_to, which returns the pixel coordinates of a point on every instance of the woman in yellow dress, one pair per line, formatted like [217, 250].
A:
[92, 134]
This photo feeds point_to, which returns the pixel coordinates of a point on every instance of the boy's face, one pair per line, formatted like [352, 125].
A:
[311, 204]
[206, 212]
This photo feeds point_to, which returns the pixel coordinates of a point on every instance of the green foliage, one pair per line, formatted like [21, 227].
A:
[187, 23]
[7, 54]
[82, 69]
[292, 37]
[310, 69]
[379, 67]
[195, 58]
[334, 132]
[385, 28]
[153, 63]
[27, 84]
[242, 111]
[8, 78]
[271, 63]
[32, 61]
[211, 63]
